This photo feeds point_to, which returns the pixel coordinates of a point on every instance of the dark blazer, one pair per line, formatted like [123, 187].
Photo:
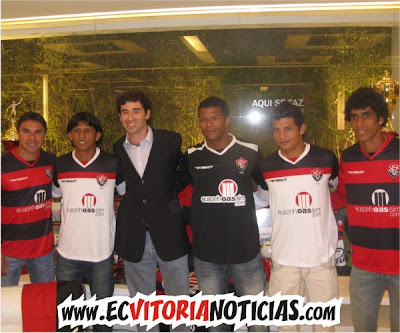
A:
[151, 202]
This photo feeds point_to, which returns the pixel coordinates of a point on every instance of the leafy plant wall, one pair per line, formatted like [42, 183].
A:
[75, 87]
[352, 68]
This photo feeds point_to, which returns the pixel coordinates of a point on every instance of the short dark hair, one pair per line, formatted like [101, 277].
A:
[30, 115]
[365, 97]
[88, 118]
[133, 96]
[215, 101]
[288, 110]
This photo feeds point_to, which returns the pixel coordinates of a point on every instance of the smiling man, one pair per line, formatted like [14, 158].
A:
[150, 226]
[26, 229]
[226, 241]
[369, 187]
[86, 179]
[304, 231]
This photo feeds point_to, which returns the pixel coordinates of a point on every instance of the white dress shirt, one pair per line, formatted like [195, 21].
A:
[139, 155]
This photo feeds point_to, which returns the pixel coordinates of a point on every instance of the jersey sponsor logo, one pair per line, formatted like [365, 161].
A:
[40, 196]
[102, 179]
[228, 190]
[393, 170]
[49, 172]
[18, 179]
[241, 163]
[40, 203]
[379, 199]
[88, 202]
[303, 201]
[355, 172]
[317, 174]
[279, 180]
[204, 167]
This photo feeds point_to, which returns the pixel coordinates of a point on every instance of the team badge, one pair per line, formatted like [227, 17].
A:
[49, 172]
[102, 179]
[241, 163]
[317, 174]
[393, 170]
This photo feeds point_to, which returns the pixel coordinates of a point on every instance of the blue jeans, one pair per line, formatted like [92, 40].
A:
[141, 276]
[248, 279]
[366, 291]
[100, 276]
[40, 269]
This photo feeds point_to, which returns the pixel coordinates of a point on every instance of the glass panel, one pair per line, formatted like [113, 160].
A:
[254, 69]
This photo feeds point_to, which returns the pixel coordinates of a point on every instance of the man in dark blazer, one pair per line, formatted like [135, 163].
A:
[150, 228]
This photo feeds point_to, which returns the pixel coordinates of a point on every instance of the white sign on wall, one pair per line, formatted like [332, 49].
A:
[265, 103]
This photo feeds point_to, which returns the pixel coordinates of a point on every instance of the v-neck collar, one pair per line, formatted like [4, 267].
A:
[96, 154]
[303, 154]
[233, 141]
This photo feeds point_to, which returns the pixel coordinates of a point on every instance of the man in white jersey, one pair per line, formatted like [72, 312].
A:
[86, 179]
[304, 230]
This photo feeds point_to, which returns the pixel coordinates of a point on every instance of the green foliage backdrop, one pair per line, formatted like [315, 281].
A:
[179, 81]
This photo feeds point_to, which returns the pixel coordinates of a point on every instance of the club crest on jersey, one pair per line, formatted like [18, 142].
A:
[317, 174]
[241, 163]
[49, 172]
[102, 179]
[393, 170]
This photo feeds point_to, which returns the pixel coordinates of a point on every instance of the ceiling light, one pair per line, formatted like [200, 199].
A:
[195, 45]
[207, 10]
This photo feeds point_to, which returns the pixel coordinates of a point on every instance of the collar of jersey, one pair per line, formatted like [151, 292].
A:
[226, 148]
[305, 152]
[96, 154]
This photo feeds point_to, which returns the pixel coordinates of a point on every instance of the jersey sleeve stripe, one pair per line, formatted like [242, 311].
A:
[85, 174]
[294, 172]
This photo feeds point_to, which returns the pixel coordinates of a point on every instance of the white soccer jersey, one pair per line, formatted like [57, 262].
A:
[304, 230]
[87, 207]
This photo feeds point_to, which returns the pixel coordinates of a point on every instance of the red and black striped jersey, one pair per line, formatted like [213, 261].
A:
[26, 226]
[369, 186]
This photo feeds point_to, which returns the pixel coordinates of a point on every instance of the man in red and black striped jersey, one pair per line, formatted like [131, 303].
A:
[26, 229]
[369, 187]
